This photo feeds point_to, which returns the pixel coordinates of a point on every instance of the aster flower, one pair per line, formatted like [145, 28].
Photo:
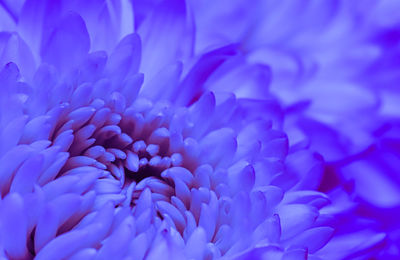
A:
[122, 139]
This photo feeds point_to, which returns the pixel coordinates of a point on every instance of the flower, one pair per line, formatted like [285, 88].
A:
[130, 135]
[334, 67]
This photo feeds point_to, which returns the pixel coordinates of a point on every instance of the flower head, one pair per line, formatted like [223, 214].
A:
[124, 136]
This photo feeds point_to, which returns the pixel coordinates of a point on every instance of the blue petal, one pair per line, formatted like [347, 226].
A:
[68, 44]
[192, 86]
[63, 245]
[371, 180]
[11, 134]
[27, 175]
[117, 244]
[195, 246]
[296, 218]
[84, 254]
[245, 81]
[313, 239]
[125, 59]
[15, 50]
[163, 35]
[13, 224]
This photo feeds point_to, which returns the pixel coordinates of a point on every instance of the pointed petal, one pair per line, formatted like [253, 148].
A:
[14, 226]
[36, 129]
[296, 218]
[371, 180]
[143, 221]
[117, 244]
[163, 84]
[84, 254]
[68, 44]
[218, 147]
[16, 50]
[313, 239]
[81, 96]
[164, 30]
[139, 246]
[131, 87]
[54, 216]
[182, 192]
[202, 176]
[125, 59]
[269, 229]
[196, 244]
[144, 202]
[63, 245]
[34, 205]
[27, 175]
[52, 171]
[93, 67]
[193, 84]
[207, 221]
[180, 173]
[59, 186]
[241, 177]
[245, 81]
[306, 165]
[200, 112]
[295, 254]
[64, 140]
[11, 134]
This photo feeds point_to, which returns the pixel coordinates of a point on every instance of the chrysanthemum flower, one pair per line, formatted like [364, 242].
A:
[122, 139]
[335, 70]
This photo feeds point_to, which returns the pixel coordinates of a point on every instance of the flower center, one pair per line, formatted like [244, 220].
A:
[131, 148]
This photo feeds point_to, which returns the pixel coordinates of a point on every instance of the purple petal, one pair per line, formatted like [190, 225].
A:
[296, 218]
[269, 229]
[59, 186]
[174, 214]
[125, 59]
[131, 87]
[178, 173]
[13, 224]
[313, 239]
[36, 129]
[52, 171]
[117, 244]
[64, 245]
[245, 81]
[196, 244]
[295, 254]
[68, 44]
[163, 83]
[370, 181]
[193, 84]
[241, 177]
[84, 254]
[16, 50]
[138, 246]
[164, 30]
[11, 134]
[219, 146]
[207, 220]
[200, 112]
[81, 95]
[143, 202]
[182, 192]
[27, 175]
[53, 217]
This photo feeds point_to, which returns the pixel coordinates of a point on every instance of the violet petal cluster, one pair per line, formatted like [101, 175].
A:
[185, 129]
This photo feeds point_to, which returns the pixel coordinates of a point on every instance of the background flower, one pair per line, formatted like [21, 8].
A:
[333, 68]
[163, 129]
